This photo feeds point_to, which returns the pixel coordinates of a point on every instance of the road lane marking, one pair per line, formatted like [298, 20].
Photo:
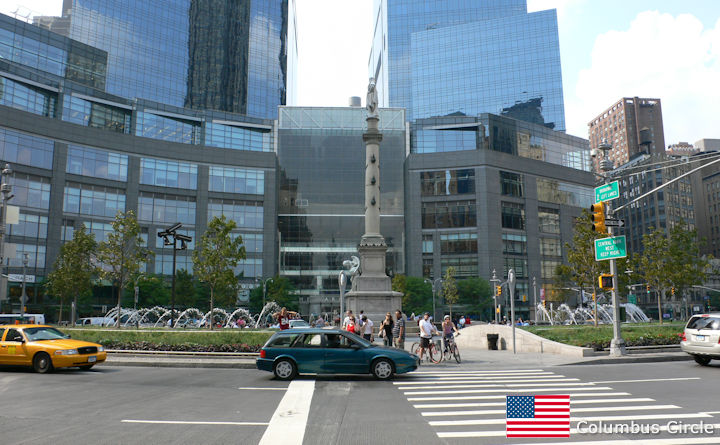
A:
[261, 389]
[588, 394]
[195, 422]
[572, 402]
[648, 380]
[288, 423]
[485, 412]
[528, 389]
[501, 433]
[572, 419]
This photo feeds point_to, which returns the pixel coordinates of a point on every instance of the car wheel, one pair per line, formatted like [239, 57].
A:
[42, 363]
[382, 369]
[86, 367]
[285, 369]
[704, 361]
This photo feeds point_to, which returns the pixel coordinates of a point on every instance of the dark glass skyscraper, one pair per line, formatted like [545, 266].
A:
[236, 56]
[438, 58]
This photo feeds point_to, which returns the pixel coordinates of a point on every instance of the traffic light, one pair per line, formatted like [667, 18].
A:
[605, 281]
[524, 298]
[598, 217]
[648, 288]
[672, 291]
[498, 290]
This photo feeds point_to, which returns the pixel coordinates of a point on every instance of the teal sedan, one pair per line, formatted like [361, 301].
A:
[331, 351]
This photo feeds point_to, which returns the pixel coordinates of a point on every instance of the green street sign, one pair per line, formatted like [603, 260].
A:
[632, 299]
[610, 248]
[607, 192]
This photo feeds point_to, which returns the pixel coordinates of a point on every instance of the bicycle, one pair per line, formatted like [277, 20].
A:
[451, 350]
[433, 353]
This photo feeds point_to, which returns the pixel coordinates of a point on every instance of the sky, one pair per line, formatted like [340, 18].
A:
[666, 49]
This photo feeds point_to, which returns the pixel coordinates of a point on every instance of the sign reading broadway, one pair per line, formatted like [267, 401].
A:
[607, 192]
[610, 248]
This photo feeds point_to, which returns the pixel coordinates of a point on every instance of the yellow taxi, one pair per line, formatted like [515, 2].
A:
[44, 348]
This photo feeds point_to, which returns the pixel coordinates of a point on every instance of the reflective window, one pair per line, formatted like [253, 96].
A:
[427, 244]
[253, 242]
[511, 184]
[250, 267]
[513, 216]
[448, 214]
[435, 141]
[96, 115]
[27, 98]
[558, 192]
[237, 180]
[166, 209]
[93, 200]
[168, 173]
[514, 244]
[428, 267]
[36, 255]
[237, 138]
[464, 267]
[31, 226]
[447, 182]
[547, 268]
[167, 128]
[550, 247]
[88, 161]
[25, 50]
[463, 242]
[20, 148]
[30, 191]
[163, 263]
[549, 220]
[519, 265]
[100, 229]
[245, 213]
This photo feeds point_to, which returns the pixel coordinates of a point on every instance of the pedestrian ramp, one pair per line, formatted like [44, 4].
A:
[470, 407]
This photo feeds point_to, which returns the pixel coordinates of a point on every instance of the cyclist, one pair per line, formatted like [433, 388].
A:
[426, 332]
[449, 329]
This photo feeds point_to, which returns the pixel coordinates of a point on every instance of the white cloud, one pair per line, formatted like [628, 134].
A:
[672, 58]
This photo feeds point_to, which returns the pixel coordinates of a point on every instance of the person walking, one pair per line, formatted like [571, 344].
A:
[398, 331]
[386, 330]
[283, 319]
[366, 327]
[346, 320]
[351, 327]
[426, 332]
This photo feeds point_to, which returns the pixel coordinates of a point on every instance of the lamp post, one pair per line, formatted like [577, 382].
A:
[511, 289]
[171, 232]
[342, 283]
[617, 345]
[495, 280]
[6, 190]
[435, 289]
[535, 308]
[23, 298]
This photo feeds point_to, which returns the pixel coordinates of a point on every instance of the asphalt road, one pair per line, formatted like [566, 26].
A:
[462, 404]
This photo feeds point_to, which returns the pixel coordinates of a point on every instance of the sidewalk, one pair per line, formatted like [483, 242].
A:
[470, 358]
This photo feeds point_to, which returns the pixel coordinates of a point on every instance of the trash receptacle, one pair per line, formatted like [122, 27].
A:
[492, 340]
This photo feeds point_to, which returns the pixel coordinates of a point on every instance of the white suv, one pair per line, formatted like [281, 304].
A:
[701, 338]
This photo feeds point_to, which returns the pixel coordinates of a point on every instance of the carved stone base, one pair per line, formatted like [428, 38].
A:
[374, 304]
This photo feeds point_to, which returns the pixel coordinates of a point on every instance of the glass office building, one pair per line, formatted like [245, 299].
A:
[439, 58]
[237, 56]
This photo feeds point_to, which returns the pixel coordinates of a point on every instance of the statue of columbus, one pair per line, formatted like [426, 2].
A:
[371, 101]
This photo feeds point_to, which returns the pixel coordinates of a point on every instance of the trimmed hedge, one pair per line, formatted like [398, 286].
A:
[599, 337]
[225, 340]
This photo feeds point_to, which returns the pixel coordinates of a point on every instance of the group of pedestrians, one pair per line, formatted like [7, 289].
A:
[391, 330]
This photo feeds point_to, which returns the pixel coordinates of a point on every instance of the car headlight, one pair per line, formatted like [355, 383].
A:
[66, 352]
[101, 349]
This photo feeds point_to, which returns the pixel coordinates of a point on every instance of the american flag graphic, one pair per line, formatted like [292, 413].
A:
[538, 416]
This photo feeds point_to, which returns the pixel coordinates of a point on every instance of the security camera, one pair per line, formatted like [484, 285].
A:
[594, 152]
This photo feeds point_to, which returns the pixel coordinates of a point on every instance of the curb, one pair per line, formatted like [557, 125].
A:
[634, 359]
[181, 364]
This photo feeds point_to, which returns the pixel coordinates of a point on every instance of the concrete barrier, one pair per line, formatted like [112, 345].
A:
[475, 337]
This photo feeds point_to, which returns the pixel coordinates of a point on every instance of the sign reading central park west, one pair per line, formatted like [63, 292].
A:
[607, 192]
[610, 248]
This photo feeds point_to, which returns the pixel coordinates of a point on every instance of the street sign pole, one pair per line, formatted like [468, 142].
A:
[511, 288]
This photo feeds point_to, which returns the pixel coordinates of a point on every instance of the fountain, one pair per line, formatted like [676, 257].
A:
[159, 316]
[583, 315]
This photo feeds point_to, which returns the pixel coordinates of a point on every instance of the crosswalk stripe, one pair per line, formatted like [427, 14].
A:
[572, 402]
[508, 390]
[484, 412]
[478, 379]
[478, 376]
[498, 396]
[572, 419]
[478, 382]
[495, 371]
[501, 433]
[495, 384]
[650, 380]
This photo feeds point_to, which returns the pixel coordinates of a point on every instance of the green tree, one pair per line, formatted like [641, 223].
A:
[417, 294]
[653, 265]
[153, 290]
[449, 288]
[476, 295]
[122, 254]
[185, 290]
[215, 257]
[74, 268]
[281, 291]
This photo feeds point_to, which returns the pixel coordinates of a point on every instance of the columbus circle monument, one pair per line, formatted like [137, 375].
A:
[371, 289]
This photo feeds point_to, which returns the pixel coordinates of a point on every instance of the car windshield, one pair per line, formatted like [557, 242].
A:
[39, 334]
[698, 323]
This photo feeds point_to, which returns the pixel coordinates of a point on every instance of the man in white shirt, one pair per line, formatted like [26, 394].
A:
[347, 319]
[367, 328]
[426, 333]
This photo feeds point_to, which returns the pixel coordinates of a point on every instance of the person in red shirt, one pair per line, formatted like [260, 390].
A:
[350, 327]
[283, 319]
